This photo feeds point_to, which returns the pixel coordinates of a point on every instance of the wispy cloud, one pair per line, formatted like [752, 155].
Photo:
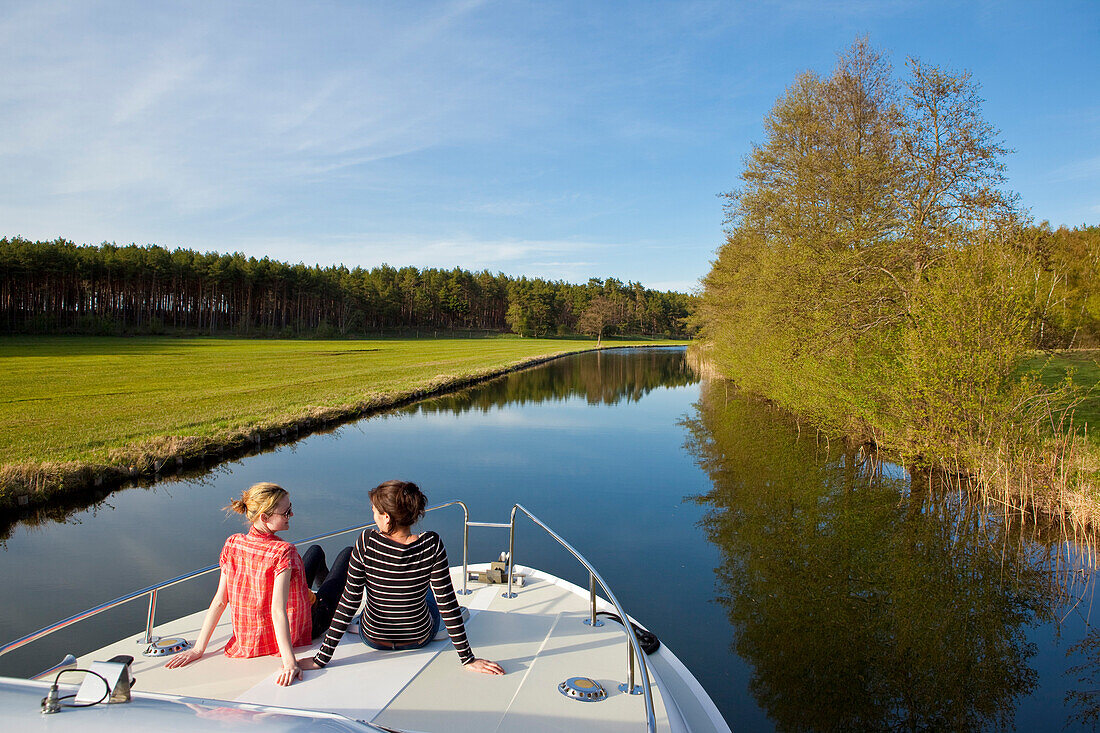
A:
[570, 265]
[466, 252]
[678, 286]
[570, 260]
[499, 207]
[1076, 171]
[479, 253]
[168, 73]
[185, 116]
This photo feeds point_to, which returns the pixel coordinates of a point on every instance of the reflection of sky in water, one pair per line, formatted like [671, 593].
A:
[893, 471]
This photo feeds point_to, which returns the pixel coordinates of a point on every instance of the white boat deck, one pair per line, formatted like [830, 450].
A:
[539, 638]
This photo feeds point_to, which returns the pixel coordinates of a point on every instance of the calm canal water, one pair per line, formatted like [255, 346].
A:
[805, 588]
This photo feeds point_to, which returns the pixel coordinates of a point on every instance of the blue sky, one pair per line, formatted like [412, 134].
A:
[555, 139]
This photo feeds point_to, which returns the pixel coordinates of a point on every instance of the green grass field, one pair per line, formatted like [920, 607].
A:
[1084, 367]
[76, 398]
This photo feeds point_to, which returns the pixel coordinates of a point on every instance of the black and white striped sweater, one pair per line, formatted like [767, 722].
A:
[396, 579]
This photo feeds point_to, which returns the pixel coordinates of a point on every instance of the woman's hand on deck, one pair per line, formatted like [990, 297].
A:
[485, 667]
[308, 663]
[184, 658]
[289, 674]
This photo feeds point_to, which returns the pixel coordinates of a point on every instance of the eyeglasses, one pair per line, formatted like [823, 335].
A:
[288, 513]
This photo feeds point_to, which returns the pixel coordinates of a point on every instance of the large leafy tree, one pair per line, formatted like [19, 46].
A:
[863, 186]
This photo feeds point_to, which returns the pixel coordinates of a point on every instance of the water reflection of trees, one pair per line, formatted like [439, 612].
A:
[604, 377]
[861, 601]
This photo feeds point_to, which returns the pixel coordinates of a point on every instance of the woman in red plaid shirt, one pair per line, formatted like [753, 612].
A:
[266, 583]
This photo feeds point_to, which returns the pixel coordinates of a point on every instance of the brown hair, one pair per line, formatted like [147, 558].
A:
[257, 499]
[402, 500]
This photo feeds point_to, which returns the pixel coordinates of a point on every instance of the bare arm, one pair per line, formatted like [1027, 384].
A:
[281, 623]
[213, 615]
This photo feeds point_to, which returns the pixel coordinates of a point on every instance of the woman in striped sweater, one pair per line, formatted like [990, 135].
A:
[396, 567]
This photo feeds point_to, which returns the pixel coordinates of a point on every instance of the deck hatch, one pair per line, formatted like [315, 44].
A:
[167, 646]
[583, 689]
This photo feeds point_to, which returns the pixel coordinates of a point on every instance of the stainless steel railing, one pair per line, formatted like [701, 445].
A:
[634, 652]
[633, 649]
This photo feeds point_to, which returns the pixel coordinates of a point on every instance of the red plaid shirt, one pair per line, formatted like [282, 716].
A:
[250, 563]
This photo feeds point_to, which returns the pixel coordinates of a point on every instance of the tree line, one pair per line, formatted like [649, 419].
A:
[878, 280]
[62, 287]
[1067, 265]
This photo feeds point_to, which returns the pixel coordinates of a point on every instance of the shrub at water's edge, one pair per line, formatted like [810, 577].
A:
[877, 282]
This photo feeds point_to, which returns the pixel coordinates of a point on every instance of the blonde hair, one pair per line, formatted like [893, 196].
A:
[257, 499]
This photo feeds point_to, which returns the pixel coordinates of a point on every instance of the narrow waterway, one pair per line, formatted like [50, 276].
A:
[806, 588]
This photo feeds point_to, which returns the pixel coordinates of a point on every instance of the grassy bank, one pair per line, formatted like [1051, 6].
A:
[1083, 366]
[77, 412]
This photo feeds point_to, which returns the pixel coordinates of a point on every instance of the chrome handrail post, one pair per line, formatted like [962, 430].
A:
[511, 551]
[149, 618]
[591, 620]
[629, 665]
[465, 546]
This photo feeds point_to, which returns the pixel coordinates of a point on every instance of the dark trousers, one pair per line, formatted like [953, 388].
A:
[331, 581]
